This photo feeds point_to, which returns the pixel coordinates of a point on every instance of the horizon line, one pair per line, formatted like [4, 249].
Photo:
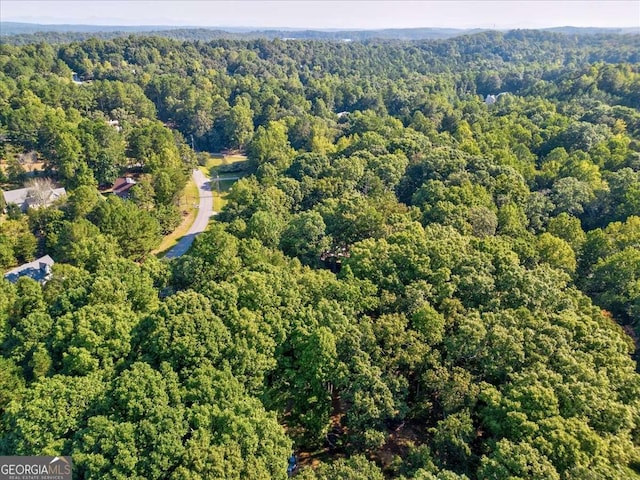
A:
[335, 29]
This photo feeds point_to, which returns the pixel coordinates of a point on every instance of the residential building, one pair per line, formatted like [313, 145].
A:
[122, 186]
[39, 270]
[31, 197]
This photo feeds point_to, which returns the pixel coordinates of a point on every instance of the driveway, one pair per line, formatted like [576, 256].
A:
[205, 211]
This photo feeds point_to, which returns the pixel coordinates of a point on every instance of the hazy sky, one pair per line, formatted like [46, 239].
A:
[330, 13]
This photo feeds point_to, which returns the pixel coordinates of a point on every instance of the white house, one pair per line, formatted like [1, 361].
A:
[490, 100]
[27, 198]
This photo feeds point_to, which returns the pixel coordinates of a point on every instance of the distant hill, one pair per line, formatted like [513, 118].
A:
[57, 37]
[22, 33]
[391, 33]
[593, 30]
[20, 28]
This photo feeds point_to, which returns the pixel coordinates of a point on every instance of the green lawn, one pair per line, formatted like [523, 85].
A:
[210, 164]
[220, 198]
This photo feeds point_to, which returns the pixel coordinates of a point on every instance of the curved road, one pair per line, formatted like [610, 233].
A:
[205, 211]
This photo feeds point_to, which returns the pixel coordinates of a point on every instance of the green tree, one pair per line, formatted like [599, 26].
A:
[218, 250]
[615, 285]
[81, 244]
[46, 418]
[82, 201]
[185, 333]
[557, 252]
[239, 127]
[304, 237]
[569, 229]
[136, 231]
[145, 415]
[570, 195]
[104, 150]
[270, 145]
[517, 461]
[266, 227]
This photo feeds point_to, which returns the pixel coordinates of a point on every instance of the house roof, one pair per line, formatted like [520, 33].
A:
[123, 184]
[39, 270]
[55, 194]
[18, 196]
[23, 197]
[490, 100]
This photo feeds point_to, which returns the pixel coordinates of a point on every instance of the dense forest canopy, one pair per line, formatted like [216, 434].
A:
[432, 272]
[17, 33]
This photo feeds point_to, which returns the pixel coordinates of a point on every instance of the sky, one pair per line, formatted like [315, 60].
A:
[342, 14]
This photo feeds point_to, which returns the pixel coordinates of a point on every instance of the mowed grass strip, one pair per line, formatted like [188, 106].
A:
[210, 162]
[188, 202]
[220, 198]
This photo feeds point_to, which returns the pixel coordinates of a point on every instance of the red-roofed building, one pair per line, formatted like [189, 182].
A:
[122, 186]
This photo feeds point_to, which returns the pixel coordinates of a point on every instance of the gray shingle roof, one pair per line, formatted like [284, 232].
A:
[39, 270]
[24, 200]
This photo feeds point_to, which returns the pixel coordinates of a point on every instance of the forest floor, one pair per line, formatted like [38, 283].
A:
[399, 443]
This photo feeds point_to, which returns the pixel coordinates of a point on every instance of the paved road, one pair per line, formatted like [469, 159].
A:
[205, 211]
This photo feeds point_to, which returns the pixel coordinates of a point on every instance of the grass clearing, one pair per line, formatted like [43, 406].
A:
[215, 160]
[220, 197]
[213, 164]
